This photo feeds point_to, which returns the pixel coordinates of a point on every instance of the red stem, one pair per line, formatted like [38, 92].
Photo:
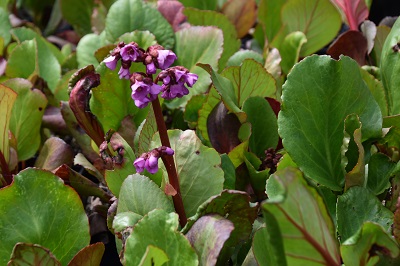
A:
[169, 163]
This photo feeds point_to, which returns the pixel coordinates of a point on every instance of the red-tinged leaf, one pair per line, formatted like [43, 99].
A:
[242, 14]
[82, 82]
[88, 256]
[26, 254]
[356, 11]
[351, 43]
[172, 12]
[299, 213]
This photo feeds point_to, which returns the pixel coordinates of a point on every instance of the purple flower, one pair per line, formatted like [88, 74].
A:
[174, 91]
[186, 77]
[111, 61]
[152, 164]
[130, 52]
[165, 58]
[139, 164]
[143, 92]
[174, 80]
[151, 68]
[124, 73]
[149, 160]
[169, 151]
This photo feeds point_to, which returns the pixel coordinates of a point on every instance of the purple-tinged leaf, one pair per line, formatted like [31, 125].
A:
[364, 247]
[32, 255]
[356, 11]
[172, 11]
[368, 28]
[242, 14]
[81, 83]
[53, 154]
[89, 256]
[351, 43]
[208, 236]
[299, 213]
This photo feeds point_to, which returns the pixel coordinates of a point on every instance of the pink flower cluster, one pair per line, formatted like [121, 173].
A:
[149, 160]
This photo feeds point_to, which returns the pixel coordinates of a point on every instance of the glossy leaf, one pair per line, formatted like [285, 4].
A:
[269, 15]
[125, 219]
[242, 14]
[154, 257]
[317, 106]
[290, 49]
[53, 154]
[238, 58]
[129, 15]
[52, 216]
[356, 206]
[89, 256]
[317, 19]
[389, 66]
[207, 43]
[264, 127]
[212, 18]
[136, 192]
[305, 225]
[208, 235]
[380, 169]
[143, 38]
[359, 249]
[116, 177]
[166, 238]
[26, 117]
[196, 165]
[78, 13]
[7, 99]
[236, 207]
[87, 46]
[25, 254]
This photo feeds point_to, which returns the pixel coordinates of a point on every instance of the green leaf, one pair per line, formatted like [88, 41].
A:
[264, 128]
[111, 101]
[78, 13]
[377, 90]
[356, 206]
[154, 257]
[213, 99]
[238, 58]
[317, 106]
[359, 249]
[129, 15]
[257, 178]
[213, 18]
[116, 177]
[229, 172]
[38, 208]
[305, 225]
[7, 100]
[145, 133]
[319, 20]
[25, 254]
[5, 27]
[89, 256]
[140, 195]
[86, 48]
[205, 5]
[236, 207]
[192, 108]
[380, 169]
[53, 154]
[290, 49]
[268, 244]
[390, 66]
[205, 47]
[143, 38]
[166, 238]
[269, 15]
[208, 235]
[26, 117]
[125, 219]
[196, 165]
[382, 31]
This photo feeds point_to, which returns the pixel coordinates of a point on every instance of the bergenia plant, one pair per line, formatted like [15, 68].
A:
[235, 132]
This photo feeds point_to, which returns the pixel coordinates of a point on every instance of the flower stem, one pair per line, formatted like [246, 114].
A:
[169, 163]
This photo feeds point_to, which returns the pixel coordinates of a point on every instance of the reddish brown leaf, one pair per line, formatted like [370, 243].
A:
[89, 256]
[351, 43]
[242, 14]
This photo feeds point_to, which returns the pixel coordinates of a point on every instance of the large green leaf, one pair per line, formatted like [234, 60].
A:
[140, 195]
[7, 99]
[390, 66]
[269, 16]
[5, 27]
[86, 49]
[305, 225]
[317, 96]
[26, 117]
[208, 236]
[264, 252]
[196, 165]
[159, 228]
[129, 15]
[319, 20]
[356, 206]
[212, 18]
[38, 208]
[78, 13]
[359, 249]
[205, 47]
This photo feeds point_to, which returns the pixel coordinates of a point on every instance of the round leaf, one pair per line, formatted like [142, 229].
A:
[38, 208]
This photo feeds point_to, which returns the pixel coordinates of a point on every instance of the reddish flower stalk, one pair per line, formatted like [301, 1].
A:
[169, 163]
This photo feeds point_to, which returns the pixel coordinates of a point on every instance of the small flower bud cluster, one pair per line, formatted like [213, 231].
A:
[144, 90]
[271, 160]
[149, 160]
